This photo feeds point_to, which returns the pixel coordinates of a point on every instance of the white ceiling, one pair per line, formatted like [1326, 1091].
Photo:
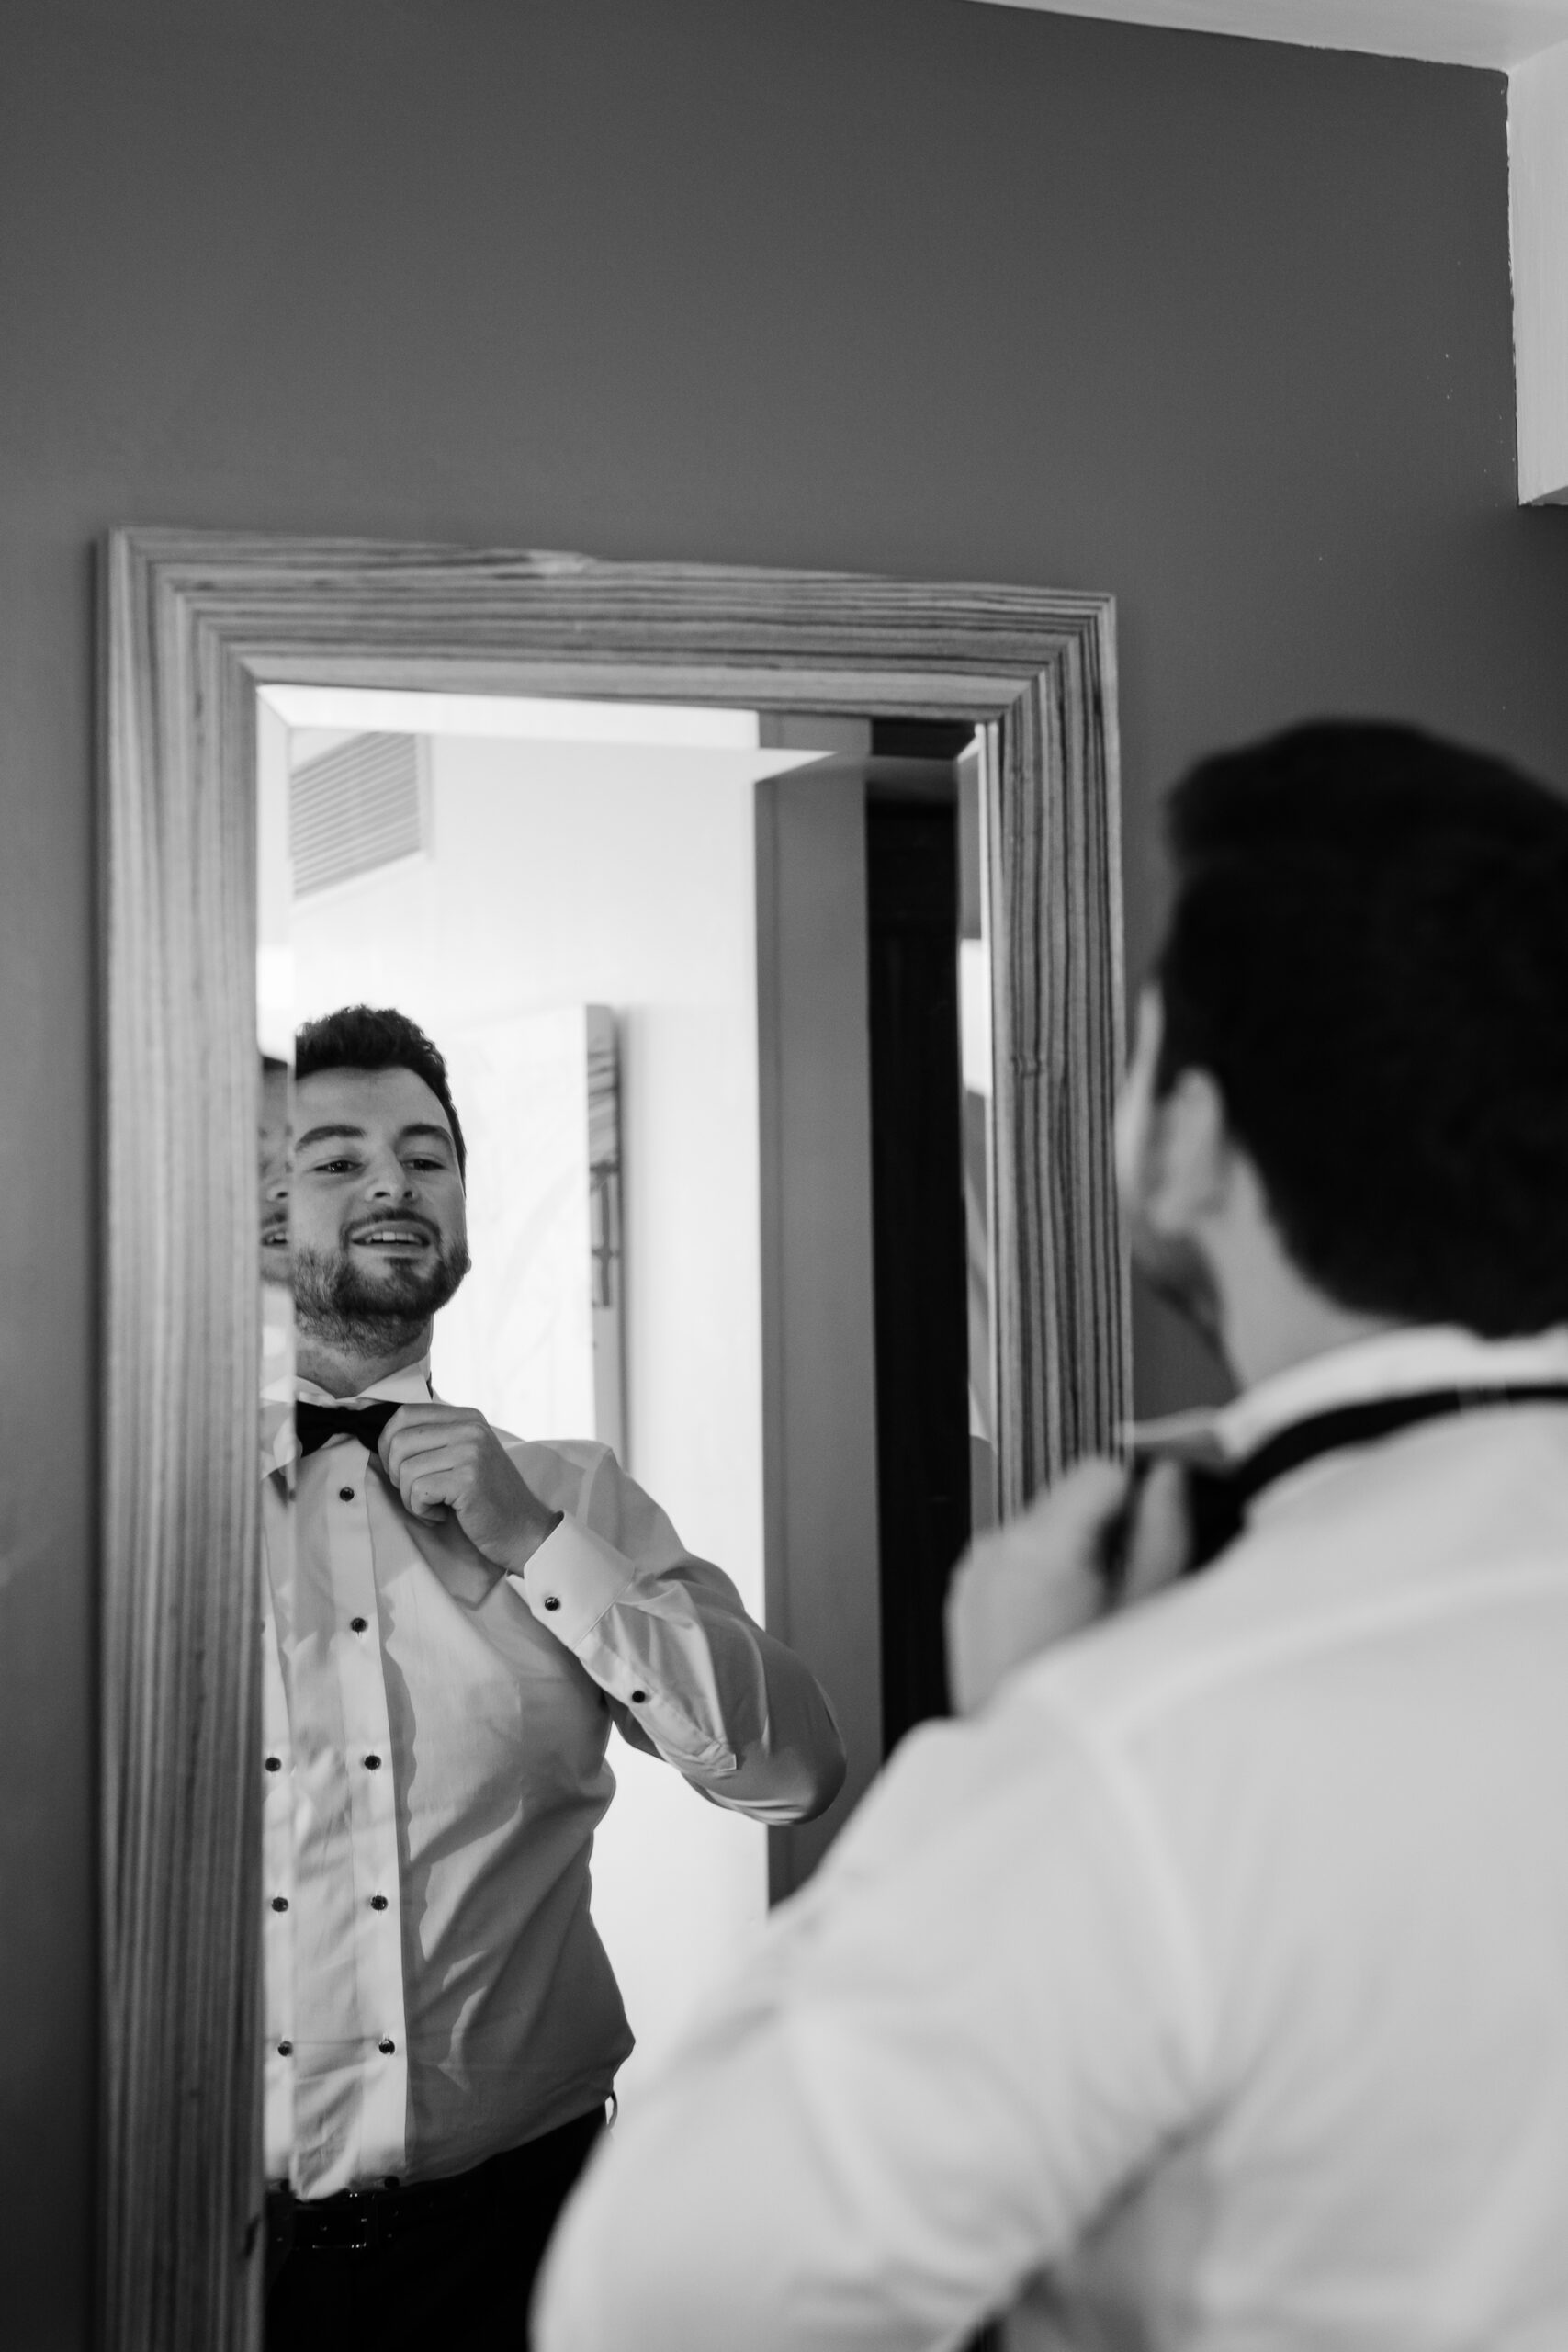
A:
[1500, 33]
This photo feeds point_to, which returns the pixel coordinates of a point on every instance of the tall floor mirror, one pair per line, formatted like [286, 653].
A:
[770, 923]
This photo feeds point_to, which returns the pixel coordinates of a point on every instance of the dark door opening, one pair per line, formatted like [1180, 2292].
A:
[920, 1249]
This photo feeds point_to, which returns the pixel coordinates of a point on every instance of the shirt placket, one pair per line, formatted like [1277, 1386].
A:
[277, 1845]
[371, 1857]
[372, 1788]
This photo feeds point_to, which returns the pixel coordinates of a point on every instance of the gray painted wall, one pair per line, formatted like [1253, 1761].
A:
[901, 285]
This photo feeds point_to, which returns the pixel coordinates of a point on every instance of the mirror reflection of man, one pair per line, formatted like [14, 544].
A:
[1209, 1988]
[272, 1150]
[277, 1289]
[458, 1618]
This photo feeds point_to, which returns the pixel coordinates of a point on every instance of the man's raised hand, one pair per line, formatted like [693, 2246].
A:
[447, 1460]
[1042, 1576]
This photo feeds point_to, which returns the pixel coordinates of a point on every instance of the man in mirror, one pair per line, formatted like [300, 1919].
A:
[276, 1293]
[272, 1150]
[1208, 1986]
[456, 1619]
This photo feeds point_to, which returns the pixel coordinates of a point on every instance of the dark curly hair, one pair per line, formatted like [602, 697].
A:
[363, 1036]
[1369, 952]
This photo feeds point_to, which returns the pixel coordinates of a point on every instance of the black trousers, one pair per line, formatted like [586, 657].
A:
[442, 2273]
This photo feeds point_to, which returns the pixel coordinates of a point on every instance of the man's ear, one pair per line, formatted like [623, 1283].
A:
[1192, 1160]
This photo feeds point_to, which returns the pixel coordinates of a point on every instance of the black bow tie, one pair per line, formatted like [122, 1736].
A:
[1217, 1499]
[313, 1424]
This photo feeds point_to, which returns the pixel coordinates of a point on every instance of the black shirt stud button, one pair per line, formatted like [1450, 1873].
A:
[386, 2045]
[345, 1494]
[638, 1698]
[372, 1763]
[280, 1902]
[357, 1624]
[285, 2050]
[552, 1600]
[378, 1903]
[274, 1763]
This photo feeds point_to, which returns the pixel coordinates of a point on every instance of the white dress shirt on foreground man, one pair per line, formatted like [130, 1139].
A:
[1076, 1991]
[1209, 1988]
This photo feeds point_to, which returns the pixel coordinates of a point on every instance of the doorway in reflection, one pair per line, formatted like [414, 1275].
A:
[582, 903]
[928, 1004]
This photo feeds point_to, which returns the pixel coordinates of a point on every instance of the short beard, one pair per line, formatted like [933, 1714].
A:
[335, 1303]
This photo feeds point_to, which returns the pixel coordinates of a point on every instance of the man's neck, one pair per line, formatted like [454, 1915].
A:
[1280, 1343]
[344, 1371]
[1271, 1315]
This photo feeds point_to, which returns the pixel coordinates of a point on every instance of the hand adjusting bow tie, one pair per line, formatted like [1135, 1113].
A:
[1217, 1498]
[313, 1424]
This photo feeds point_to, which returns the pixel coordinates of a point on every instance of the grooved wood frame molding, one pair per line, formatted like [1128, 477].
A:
[193, 625]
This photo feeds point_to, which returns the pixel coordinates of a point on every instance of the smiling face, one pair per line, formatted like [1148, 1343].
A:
[378, 1212]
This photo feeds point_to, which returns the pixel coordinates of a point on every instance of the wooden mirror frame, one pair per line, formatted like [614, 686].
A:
[193, 625]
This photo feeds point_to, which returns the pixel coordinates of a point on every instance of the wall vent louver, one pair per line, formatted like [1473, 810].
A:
[362, 805]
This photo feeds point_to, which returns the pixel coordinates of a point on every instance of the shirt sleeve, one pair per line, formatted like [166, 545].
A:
[689, 1675]
[953, 2050]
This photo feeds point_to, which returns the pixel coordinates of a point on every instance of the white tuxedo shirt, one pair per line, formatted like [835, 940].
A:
[434, 1767]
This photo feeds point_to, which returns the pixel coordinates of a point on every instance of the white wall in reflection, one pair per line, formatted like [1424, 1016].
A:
[558, 876]
[519, 1334]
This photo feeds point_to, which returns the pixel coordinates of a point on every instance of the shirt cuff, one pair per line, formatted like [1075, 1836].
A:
[572, 1579]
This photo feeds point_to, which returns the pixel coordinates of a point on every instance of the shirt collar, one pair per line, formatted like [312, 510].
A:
[409, 1387]
[1393, 1364]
